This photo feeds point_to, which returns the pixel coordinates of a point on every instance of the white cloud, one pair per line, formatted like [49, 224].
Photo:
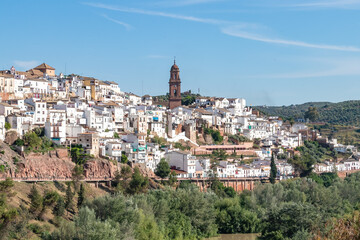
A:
[127, 26]
[237, 32]
[308, 4]
[334, 68]
[26, 64]
[155, 13]
[329, 4]
[176, 3]
[240, 30]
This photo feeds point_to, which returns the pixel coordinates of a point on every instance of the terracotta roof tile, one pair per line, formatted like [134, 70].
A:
[44, 66]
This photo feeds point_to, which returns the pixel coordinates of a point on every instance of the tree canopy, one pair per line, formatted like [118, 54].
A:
[311, 114]
[163, 169]
[273, 169]
[347, 112]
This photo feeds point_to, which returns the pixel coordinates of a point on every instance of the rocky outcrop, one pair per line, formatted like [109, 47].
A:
[8, 160]
[54, 165]
[10, 137]
[208, 139]
[145, 171]
[49, 165]
[62, 153]
[99, 168]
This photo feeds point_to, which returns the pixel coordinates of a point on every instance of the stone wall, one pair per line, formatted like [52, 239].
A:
[239, 185]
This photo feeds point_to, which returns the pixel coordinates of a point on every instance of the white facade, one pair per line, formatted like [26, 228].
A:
[113, 149]
[226, 169]
[55, 126]
[40, 86]
[6, 109]
[40, 113]
[182, 161]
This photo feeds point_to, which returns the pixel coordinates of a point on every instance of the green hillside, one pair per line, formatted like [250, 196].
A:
[347, 113]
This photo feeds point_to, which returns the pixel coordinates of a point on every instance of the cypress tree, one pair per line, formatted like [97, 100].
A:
[138, 182]
[59, 208]
[273, 169]
[36, 200]
[81, 196]
[69, 198]
[172, 178]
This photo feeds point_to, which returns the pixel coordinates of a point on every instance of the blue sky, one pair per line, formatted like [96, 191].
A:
[276, 52]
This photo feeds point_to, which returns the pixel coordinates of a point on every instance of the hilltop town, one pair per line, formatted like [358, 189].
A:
[205, 137]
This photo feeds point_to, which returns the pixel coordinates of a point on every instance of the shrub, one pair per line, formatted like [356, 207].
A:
[163, 169]
[19, 142]
[215, 134]
[7, 126]
[35, 228]
[15, 160]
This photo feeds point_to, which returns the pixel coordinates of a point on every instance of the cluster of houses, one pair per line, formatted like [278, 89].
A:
[110, 123]
[351, 163]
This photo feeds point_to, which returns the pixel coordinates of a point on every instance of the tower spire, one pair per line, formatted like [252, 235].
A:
[174, 59]
[174, 86]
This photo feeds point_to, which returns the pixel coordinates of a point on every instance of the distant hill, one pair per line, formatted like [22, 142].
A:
[347, 113]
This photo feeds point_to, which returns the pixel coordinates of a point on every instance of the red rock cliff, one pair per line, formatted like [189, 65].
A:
[57, 165]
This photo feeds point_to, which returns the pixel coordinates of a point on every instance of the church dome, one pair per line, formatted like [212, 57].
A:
[174, 67]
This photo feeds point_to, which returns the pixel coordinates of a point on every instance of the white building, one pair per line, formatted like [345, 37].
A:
[55, 126]
[226, 169]
[22, 123]
[134, 99]
[37, 86]
[18, 87]
[182, 161]
[40, 113]
[6, 109]
[345, 148]
[351, 165]
[113, 150]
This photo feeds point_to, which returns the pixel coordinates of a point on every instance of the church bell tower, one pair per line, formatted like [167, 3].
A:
[174, 87]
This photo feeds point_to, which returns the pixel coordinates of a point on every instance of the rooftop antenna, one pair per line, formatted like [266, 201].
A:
[65, 69]
[142, 87]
